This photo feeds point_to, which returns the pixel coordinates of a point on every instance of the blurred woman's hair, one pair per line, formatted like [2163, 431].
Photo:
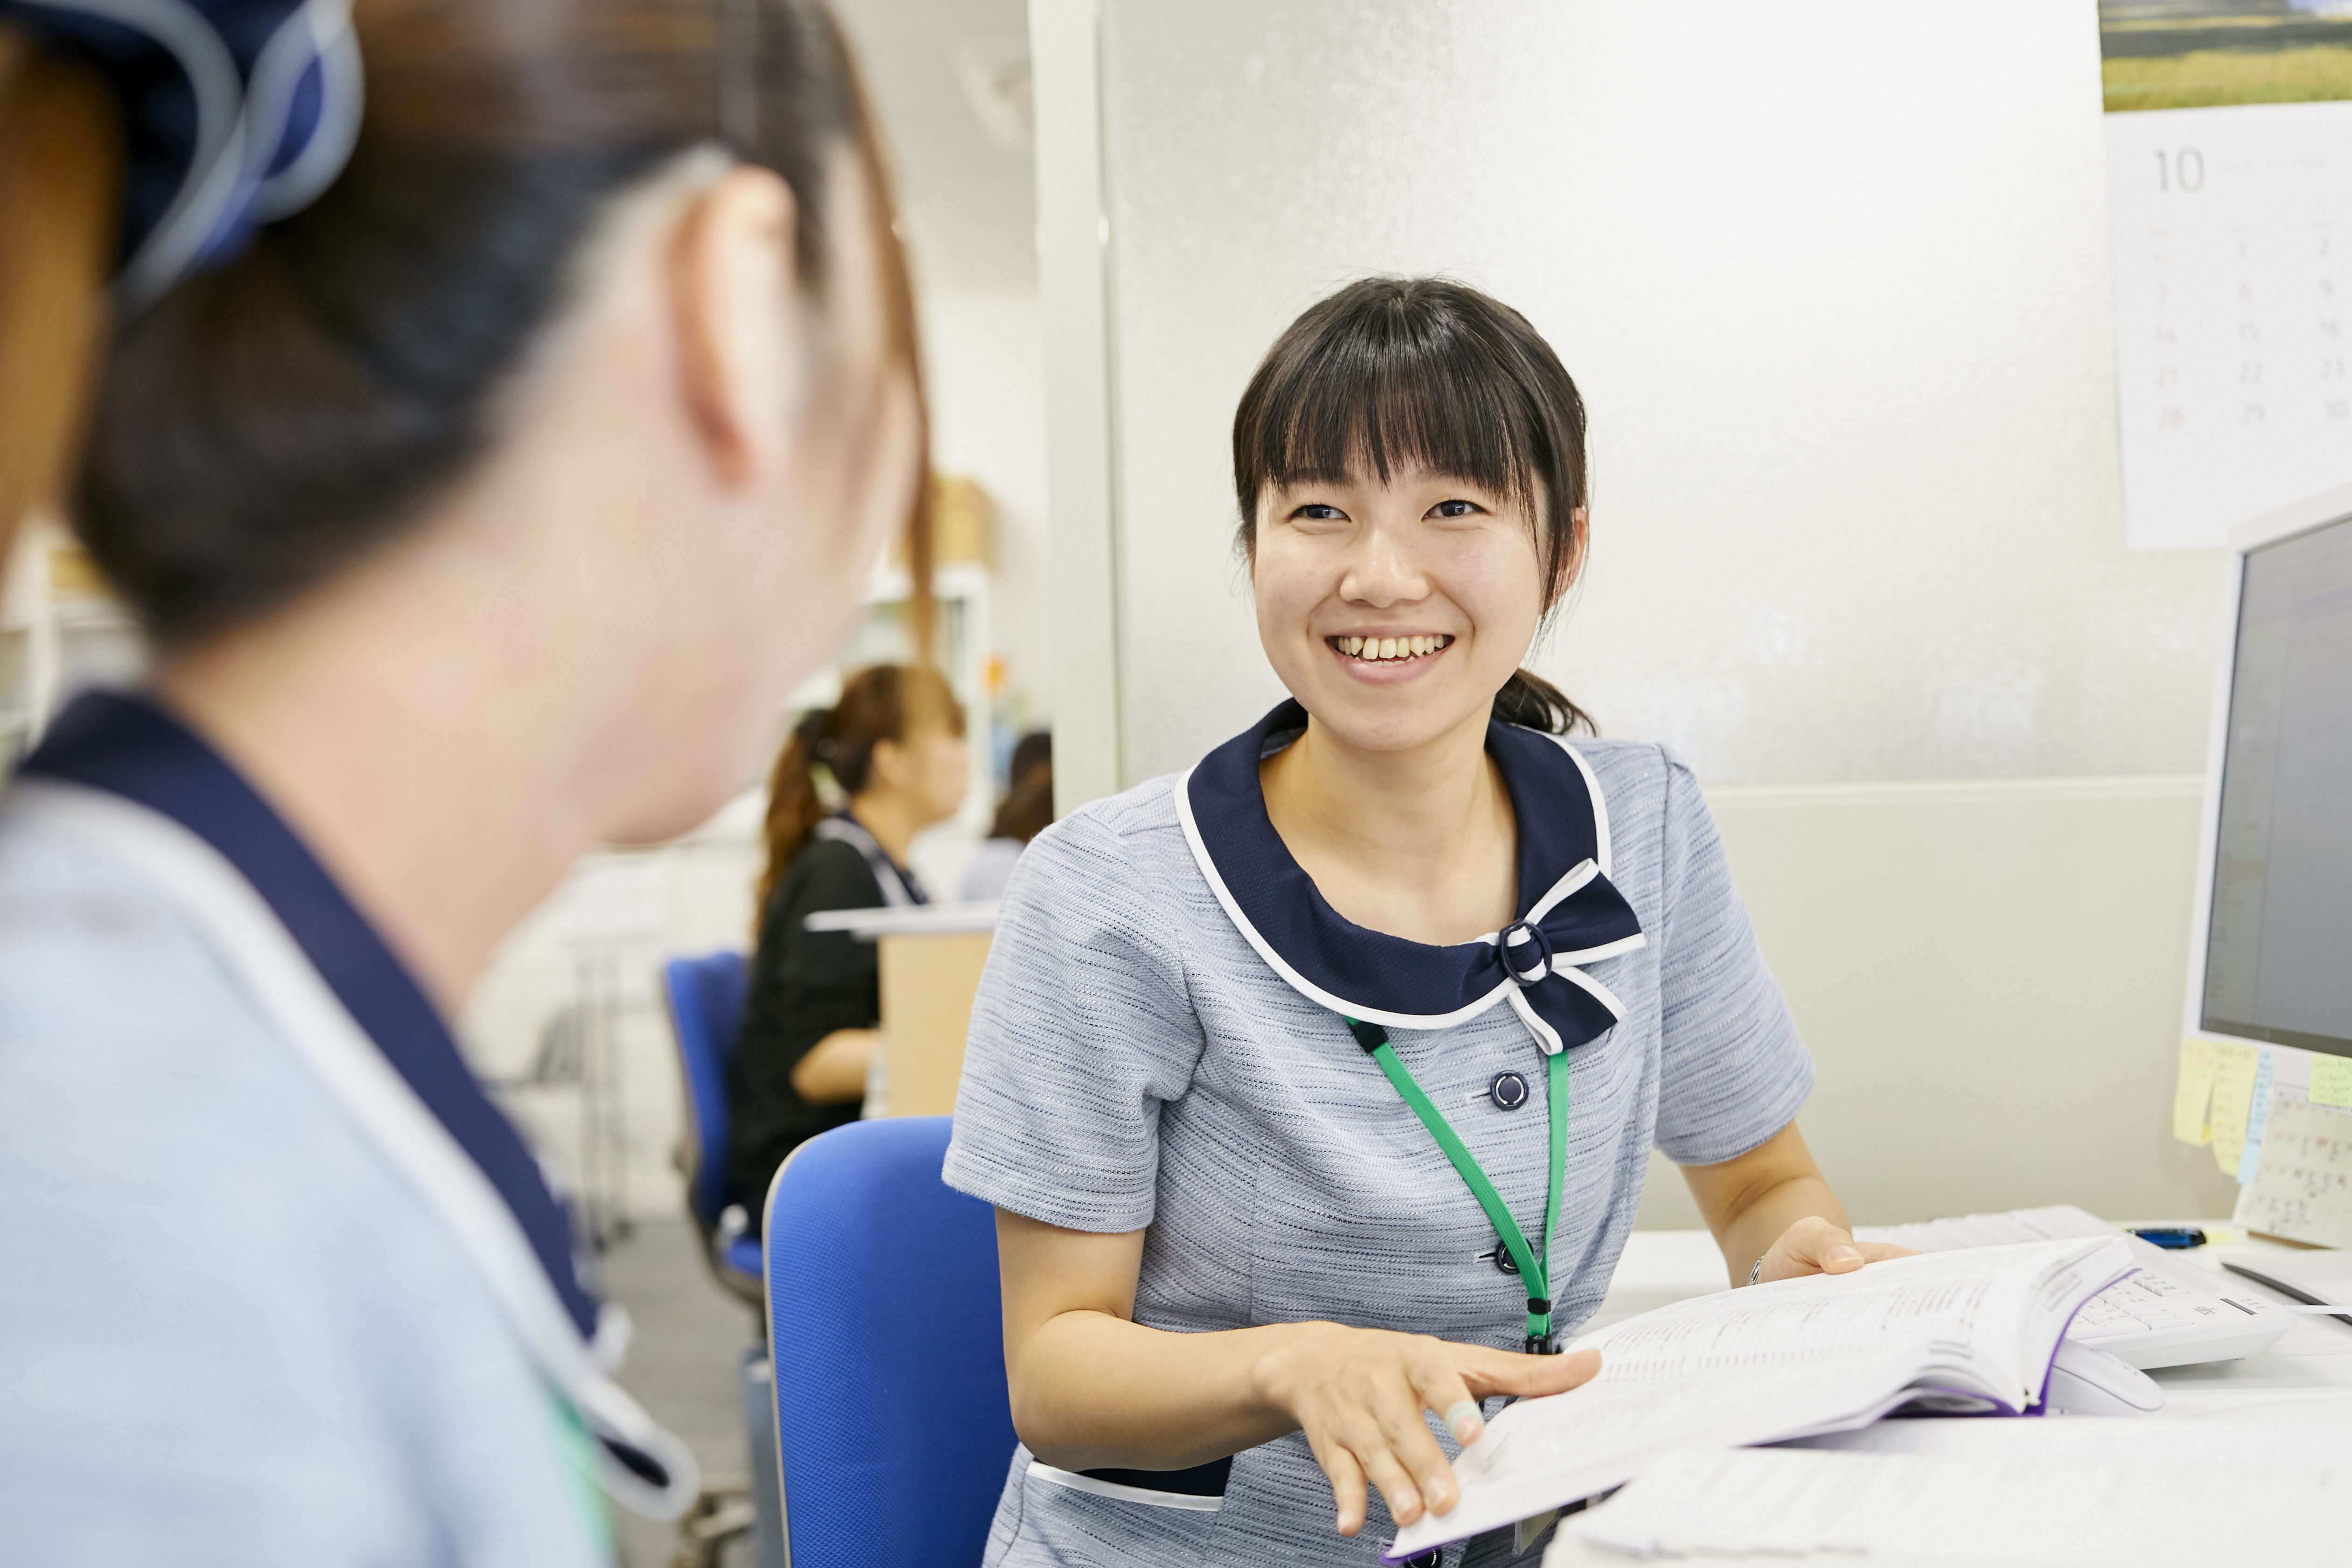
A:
[278, 417]
[1027, 808]
[1401, 373]
[894, 702]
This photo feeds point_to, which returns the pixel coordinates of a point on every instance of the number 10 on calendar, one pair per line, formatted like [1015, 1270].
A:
[2233, 253]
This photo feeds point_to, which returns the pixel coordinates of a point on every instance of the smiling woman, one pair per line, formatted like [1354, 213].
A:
[1252, 1075]
[1395, 376]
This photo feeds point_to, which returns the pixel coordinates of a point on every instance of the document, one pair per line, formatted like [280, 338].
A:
[1961, 1332]
[2025, 1494]
[2303, 1188]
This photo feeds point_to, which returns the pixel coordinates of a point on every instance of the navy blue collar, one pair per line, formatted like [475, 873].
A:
[1568, 913]
[131, 747]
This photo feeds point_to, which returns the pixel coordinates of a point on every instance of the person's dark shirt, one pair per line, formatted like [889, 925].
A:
[804, 985]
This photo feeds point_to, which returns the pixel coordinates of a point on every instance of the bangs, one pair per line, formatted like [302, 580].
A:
[1372, 402]
[1389, 376]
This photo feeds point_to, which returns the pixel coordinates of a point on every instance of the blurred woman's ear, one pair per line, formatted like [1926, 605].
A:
[742, 340]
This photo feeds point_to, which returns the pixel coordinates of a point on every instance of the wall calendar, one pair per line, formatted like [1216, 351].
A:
[2231, 211]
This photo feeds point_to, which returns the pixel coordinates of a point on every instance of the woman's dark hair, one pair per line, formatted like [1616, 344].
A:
[881, 703]
[1027, 808]
[268, 422]
[1393, 372]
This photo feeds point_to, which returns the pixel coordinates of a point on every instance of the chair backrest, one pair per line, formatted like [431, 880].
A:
[706, 1002]
[892, 1422]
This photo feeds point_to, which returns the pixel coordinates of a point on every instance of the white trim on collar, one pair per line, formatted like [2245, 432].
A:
[1563, 964]
[1600, 803]
[243, 929]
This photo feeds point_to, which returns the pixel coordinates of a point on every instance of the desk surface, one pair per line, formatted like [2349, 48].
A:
[918, 919]
[2306, 1376]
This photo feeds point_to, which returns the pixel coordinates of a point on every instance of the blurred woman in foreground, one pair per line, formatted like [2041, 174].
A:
[894, 746]
[482, 495]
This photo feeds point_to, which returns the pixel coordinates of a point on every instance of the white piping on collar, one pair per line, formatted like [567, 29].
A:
[1546, 1038]
[246, 932]
[1563, 964]
[1591, 792]
[846, 830]
[1297, 982]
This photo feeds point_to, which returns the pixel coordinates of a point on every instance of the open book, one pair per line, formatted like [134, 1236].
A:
[1949, 1332]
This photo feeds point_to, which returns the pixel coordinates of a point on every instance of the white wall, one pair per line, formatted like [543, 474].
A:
[1989, 976]
[984, 369]
[1832, 277]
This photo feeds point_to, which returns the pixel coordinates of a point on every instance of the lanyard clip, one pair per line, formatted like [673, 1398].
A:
[1547, 1343]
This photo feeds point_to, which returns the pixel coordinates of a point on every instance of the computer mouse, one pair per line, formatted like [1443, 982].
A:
[2086, 1382]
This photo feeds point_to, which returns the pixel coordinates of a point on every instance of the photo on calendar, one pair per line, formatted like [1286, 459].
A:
[2199, 54]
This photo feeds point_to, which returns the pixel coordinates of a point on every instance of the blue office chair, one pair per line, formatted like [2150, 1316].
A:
[706, 999]
[892, 1421]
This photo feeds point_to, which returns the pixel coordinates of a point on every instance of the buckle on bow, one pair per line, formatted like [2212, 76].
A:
[1534, 963]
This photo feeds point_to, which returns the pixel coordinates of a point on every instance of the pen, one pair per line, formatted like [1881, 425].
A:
[2169, 1236]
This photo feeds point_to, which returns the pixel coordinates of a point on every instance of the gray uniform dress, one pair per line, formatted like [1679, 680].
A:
[1138, 1061]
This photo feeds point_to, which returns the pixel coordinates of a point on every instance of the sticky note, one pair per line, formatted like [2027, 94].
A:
[2234, 1068]
[2331, 1080]
[2192, 1092]
[2250, 1158]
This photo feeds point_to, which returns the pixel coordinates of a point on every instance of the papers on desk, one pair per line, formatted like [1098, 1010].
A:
[1962, 1332]
[2025, 1494]
[2302, 1188]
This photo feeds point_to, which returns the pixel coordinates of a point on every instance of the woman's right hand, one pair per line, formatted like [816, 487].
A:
[1359, 1393]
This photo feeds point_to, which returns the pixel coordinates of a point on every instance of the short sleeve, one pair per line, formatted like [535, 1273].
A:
[1733, 1070]
[1082, 1029]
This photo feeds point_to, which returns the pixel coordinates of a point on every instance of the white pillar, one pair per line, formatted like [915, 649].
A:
[1073, 241]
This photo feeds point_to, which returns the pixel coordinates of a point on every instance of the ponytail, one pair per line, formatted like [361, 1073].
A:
[1530, 699]
[60, 171]
[795, 806]
[882, 702]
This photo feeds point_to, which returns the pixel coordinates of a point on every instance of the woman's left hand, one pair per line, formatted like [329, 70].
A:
[1814, 1246]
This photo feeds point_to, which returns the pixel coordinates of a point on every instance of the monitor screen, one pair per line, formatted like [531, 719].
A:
[2278, 955]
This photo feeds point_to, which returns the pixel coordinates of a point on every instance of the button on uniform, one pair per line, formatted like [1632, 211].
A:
[1508, 1090]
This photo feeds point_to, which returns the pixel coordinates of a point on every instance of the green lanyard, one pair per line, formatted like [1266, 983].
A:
[1534, 1271]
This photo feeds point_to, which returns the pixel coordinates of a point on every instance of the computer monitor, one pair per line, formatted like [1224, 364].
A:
[2270, 958]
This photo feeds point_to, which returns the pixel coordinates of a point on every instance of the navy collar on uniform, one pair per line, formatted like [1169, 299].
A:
[1569, 914]
[130, 747]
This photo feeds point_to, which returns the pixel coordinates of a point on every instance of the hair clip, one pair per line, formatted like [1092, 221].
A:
[252, 115]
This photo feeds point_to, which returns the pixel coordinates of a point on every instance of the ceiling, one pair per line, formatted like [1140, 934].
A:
[948, 78]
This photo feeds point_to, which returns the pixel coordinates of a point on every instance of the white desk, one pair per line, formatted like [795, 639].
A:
[2306, 1376]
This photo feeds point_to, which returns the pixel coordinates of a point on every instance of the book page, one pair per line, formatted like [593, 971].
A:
[1984, 1311]
[1540, 1453]
[1798, 1356]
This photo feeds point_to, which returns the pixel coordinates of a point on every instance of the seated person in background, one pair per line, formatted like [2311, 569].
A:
[1027, 810]
[894, 743]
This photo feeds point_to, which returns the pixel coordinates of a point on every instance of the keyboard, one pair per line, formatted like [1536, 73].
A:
[2168, 1314]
